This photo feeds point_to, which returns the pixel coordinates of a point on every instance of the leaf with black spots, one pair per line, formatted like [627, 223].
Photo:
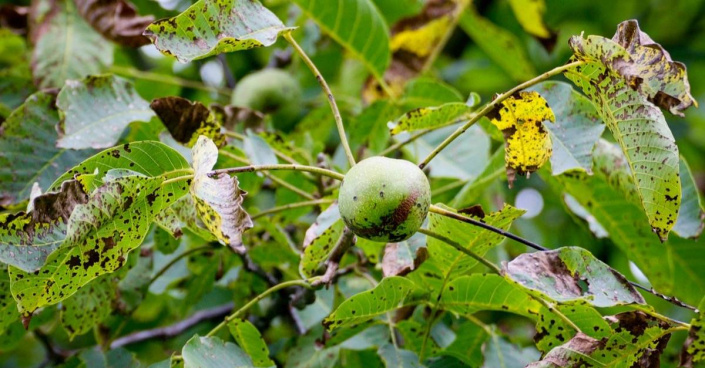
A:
[97, 109]
[430, 117]
[218, 198]
[66, 47]
[27, 238]
[571, 275]
[11, 329]
[28, 152]
[250, 340]
[187, 120]
[521, 119]
[211, 27]
[100, 235]
[89, 306]
[320, 239]
[694, 347]
[116, 20]
[638, 341]
[390, 294]
[552, 331]
[627, 78]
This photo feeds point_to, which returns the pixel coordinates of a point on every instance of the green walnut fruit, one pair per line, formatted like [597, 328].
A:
[271, 91]
[384, 200]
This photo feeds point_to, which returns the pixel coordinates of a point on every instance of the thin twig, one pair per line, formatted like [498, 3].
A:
[175, 329]
[329, 94]
[291, 206]
[491, 106]
[252, 168]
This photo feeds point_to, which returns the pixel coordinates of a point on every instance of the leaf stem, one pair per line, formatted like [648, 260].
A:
[462, 249]
[291, 206]
[176, 179]
[256, 299]
[329, 93]
[271, 177]
[491, 105]
[278, 153]
[304, 168]
[167, 79]
[400, 144]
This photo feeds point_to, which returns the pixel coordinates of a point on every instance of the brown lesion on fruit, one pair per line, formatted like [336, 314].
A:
[390, 222]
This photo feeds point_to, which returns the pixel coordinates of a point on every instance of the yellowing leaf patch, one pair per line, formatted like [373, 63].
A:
[527, 143]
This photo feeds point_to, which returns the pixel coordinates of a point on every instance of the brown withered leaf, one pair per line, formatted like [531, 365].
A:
[116, 20]
[401, 258]
[187, 120]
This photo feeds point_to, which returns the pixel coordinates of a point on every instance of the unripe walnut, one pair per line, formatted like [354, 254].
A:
[271, 91]
[384, 199]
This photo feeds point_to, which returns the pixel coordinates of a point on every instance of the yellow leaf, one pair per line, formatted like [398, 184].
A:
[422, 41]
[529, 13]
[527, 143]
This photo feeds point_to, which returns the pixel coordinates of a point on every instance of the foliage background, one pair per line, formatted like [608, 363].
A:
[678, 26]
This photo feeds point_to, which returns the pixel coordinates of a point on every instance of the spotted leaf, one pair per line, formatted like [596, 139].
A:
[187, 120]
[89, 306]
[527, 143]
[250, 340]
[100, 235]
[27, 238]
[390, 294]
[320, 239]
[627, 78]
[571, 275]
[638, 341]
[430, 117]
[11, 330]
[211, 27]
[694, 347]
[218, 199]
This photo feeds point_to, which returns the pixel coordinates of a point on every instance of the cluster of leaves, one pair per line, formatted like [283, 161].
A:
[120, 215]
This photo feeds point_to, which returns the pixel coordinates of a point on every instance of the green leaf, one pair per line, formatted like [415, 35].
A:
[426, 92]
[212, 352]
[430, 117]
[501, 353]
[320, 239]
[467, 295]
[218, 199]
[390, 294]
[88, 307]
[370, 126]
[576, 130]
[147, 158]
[187, 120]
[66, 47]
[100, 235]
[694, 347]
[28, 151]
[27, 238]
[306, 355]
[503, 47]
[248, 337]
[468, 344]
[446, 263]
[473, 189]
[394, 357]
[572, 275]
[355, 24]
[638, 341]
[211, 27]
[691, 214]
[97, 109]
[258, 151]
[11, 330]
[621, 79]
[552, 331]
